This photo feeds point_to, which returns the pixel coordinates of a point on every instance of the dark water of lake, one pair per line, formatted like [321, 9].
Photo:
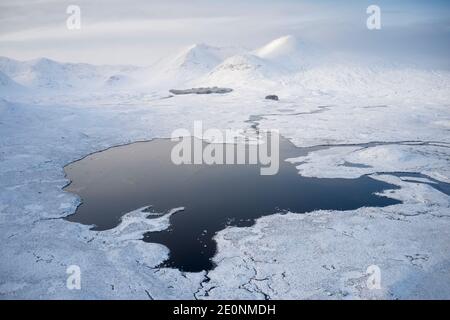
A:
[121, 179]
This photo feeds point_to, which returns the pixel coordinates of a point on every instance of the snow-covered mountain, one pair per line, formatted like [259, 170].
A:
[267, 65]
[189, 64]
[286, 64]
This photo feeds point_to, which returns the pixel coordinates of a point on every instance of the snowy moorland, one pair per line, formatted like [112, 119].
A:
[380, 119]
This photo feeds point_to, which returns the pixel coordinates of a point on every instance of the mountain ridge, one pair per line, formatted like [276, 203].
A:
[285, 62]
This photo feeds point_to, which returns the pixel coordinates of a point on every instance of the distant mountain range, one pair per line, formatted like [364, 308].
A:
[285, 61]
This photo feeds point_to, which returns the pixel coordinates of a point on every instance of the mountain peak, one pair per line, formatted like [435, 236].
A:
[43, 62]
[200, 46]
[196, 55]
[282, 46]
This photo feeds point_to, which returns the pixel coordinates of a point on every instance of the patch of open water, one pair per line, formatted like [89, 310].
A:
[118, 180]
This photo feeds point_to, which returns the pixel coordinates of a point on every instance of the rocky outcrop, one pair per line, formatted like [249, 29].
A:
[207, 90]
[272, 97]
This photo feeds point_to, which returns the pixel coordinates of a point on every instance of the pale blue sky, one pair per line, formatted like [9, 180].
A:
[139, 32]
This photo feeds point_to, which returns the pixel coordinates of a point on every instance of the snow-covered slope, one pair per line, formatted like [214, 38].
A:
[9, 87]
[338, 80]
[242, 70]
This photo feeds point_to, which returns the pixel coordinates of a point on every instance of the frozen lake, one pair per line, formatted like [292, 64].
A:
[118, 180]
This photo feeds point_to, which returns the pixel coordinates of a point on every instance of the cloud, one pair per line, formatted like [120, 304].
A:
[139, 32]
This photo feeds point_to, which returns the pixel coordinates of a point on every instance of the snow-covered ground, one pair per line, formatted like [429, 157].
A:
[372, 119]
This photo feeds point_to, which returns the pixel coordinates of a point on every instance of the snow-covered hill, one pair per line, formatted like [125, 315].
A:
[49, 75]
